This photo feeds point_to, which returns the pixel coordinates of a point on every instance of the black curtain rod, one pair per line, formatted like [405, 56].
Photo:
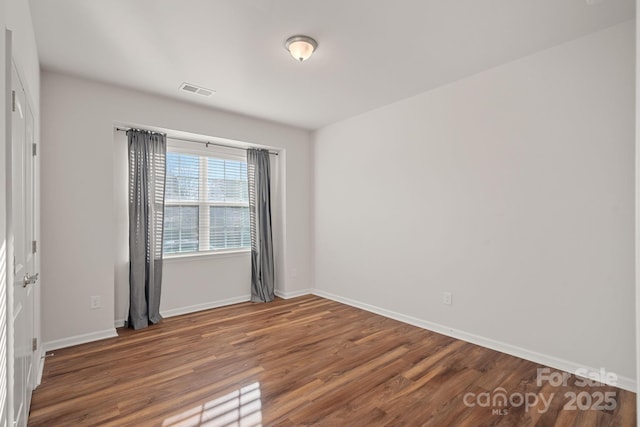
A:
[206, 143]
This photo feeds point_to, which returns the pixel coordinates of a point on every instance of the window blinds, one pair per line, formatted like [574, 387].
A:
[206, 204]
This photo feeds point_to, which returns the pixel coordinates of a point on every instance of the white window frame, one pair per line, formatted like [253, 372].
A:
[196, 149]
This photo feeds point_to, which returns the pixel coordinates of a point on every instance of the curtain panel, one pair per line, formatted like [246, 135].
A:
[262, 263]
[147, 158]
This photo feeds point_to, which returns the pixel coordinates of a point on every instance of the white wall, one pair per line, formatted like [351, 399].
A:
[79, 242]
[4, 379]
[637, 242]
[513, 189]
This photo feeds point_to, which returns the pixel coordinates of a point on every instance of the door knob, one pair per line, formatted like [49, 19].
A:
[30, 279]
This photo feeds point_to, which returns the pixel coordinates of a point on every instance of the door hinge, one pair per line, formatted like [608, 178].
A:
[34, 246]
[13, 101]
[35, 149]
[34, 344]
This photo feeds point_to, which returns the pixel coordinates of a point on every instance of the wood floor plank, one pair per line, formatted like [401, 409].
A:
[302, 361]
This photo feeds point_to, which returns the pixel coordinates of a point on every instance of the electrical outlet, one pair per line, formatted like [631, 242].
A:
[446, 298]
[95, 302]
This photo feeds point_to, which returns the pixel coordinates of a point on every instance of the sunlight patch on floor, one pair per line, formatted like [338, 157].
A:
[240, 408]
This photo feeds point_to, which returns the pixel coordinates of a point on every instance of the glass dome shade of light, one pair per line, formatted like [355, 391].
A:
[301, 47]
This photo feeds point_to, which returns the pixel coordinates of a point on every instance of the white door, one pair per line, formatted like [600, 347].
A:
[21, 325]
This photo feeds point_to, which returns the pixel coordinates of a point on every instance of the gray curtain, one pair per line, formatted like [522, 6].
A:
[147, 157]
[262, 265]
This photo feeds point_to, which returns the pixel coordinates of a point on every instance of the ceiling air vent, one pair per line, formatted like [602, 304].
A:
[191, 88]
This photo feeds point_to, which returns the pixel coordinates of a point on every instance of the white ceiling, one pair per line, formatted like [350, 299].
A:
[370, 53]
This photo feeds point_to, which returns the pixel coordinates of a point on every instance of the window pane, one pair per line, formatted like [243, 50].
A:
[183, 172]
[180, 229]
[227, 181]
[229, 227]
[206, 204]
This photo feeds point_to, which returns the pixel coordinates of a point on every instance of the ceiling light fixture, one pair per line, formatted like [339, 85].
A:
[300, 47]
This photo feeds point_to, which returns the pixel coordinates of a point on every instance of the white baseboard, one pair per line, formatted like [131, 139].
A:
[40, 366]
[543, 359]
[119, 323]
[205, 306]
[293, 294]
[79, 339]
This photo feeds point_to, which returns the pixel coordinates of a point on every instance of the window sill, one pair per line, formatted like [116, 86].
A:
[204, 256]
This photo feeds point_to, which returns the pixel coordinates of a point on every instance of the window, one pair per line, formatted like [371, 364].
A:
[206, 202]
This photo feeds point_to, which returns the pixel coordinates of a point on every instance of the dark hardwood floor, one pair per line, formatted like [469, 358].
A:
[306, 361]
